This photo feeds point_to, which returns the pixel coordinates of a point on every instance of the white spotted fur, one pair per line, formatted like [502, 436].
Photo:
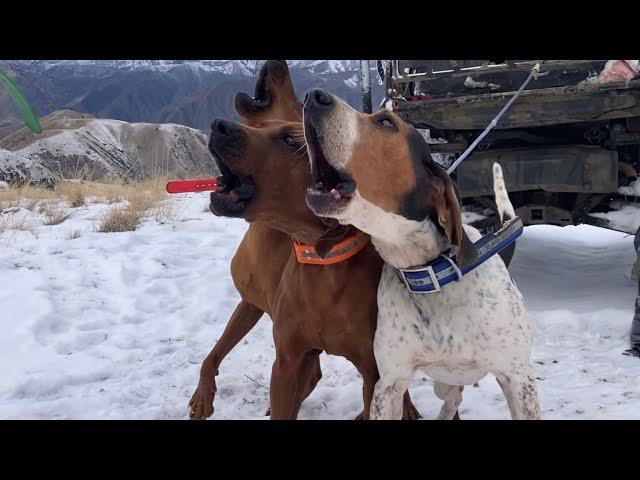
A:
[472, 327]
[456, 336]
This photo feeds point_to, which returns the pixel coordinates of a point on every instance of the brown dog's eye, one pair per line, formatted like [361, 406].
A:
[386, 122]
[290, 142]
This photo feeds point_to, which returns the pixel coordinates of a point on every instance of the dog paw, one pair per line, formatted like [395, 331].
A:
[201, 403]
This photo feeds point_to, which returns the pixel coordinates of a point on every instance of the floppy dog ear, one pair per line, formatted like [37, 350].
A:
[274, 96]
[450, 219]
[436, 196]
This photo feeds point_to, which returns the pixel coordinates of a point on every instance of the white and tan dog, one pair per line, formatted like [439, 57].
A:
[375, 172]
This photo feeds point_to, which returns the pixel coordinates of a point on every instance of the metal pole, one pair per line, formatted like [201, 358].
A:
[365, 81]
[535, 73]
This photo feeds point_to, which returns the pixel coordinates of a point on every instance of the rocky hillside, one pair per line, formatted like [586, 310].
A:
[76, 145]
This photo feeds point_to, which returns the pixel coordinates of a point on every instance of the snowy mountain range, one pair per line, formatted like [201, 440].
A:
[188, 92]
[230, 67]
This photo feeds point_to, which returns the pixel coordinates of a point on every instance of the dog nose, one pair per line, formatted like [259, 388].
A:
[318, 97]
[223, 127]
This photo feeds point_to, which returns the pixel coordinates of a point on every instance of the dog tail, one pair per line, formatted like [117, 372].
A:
[505, 208]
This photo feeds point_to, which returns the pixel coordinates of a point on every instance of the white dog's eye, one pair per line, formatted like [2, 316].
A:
[386, 122]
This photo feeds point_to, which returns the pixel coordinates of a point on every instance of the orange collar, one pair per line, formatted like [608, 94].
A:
[340, 252]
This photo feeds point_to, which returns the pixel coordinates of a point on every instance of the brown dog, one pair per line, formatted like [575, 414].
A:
[274, 99]
[328, 308]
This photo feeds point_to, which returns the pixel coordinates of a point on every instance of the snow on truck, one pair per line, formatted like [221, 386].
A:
[569, 145]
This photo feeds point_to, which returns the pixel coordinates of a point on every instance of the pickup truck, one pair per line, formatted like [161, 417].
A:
[569, 145]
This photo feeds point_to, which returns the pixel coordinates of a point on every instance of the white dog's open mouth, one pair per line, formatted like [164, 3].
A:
[332, 189]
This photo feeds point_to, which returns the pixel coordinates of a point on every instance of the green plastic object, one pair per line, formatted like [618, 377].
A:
[26, 110]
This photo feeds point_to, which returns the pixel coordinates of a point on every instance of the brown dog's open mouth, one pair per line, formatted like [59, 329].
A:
[332, 189]
[233, 192]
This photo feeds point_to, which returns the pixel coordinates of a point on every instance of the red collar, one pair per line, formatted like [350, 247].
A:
[340, 252]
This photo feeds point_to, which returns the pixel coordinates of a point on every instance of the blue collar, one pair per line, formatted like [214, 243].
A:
[444, 269]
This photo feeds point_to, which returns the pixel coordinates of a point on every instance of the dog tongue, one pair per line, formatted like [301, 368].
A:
[335, 193]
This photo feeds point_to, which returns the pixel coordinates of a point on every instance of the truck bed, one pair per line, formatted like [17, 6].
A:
[534, 108]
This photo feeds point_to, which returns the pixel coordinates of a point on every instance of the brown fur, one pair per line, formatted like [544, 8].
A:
[382, 154]
[328, 308]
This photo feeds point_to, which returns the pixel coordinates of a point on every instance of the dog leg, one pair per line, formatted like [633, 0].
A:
[243, 319]
[452, 397]
[409, 410]
[521, 392]
[310, 375]
[287, 385]
[369, 372]
[388, 396]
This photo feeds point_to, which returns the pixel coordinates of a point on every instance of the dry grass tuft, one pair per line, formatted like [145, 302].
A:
[17, 222]
[73, 234]
[74, 191]
[120, 219]
[78, 192]
[141, 197]
[54, 216]
[141, 201]
[28, 196]
[164, 213]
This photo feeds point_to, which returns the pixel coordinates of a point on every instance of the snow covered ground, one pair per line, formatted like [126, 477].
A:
[115, 325]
